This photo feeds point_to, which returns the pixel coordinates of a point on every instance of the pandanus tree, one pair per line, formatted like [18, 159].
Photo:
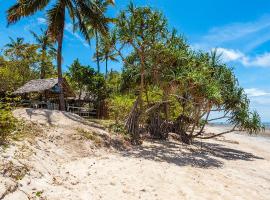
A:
[139, 28]
[47, 50]
[201, 84]
[78, 10]
[186, 86]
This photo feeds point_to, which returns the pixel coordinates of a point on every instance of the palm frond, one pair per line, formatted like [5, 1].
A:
[56, 19]
[25, 8]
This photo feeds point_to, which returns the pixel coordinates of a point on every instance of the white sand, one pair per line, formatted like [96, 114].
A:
[64, 166]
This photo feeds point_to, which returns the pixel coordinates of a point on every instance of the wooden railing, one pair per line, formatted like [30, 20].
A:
[81, 111]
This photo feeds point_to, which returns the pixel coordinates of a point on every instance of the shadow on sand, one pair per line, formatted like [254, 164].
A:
[209, 156]
[47, 114]
[202, 155]
[79, 119]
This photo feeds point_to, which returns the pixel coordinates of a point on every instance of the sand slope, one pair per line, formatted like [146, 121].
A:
[65, 166]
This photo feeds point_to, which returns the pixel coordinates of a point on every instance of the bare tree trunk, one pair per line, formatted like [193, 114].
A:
[59, 64]
[166, 107]
[97, 51]
[106, 73]
[42, 67]
[146, 95]
[202, 128]
[132, 123]
[142, 71]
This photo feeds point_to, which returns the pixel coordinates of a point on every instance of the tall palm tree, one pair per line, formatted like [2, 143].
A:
[94, 30]
[56, 17]
[46, 46]
[107, 51]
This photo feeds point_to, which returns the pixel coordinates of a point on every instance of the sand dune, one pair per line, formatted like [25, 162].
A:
[63, 165]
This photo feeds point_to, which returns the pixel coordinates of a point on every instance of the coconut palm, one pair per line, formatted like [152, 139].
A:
[107, 51]
[56, 17]
[14, 47]
[94, 29]
[46, 46]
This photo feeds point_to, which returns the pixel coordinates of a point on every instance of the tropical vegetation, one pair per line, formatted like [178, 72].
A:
[164, 85]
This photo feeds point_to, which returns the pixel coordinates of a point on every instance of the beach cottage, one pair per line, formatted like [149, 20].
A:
[43, 93]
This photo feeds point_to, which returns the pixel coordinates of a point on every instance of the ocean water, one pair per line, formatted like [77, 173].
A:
[267, 125]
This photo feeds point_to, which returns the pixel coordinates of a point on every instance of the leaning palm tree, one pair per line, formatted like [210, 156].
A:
[46, 46]
[56, 17]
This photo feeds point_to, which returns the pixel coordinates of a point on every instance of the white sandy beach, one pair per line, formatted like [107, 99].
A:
[63, 165]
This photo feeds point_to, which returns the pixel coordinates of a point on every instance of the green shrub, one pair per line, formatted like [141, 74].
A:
[120, 106]
[7, 121]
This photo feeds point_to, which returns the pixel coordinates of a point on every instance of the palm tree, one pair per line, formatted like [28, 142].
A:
[107, 51]
[15, 43]
[56, 17]
[46, 46]
[14, 47]
[95, 30]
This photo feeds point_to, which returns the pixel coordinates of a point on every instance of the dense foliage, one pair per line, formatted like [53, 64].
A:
[22, 62]
[7, 121]
[176, 88]
[164, 86]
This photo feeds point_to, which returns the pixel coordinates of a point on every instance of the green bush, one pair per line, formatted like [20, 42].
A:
[7, 121]
[119, 107]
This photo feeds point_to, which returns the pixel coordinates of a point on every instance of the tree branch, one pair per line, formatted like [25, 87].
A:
[157, 105]
[224, 116]
[219, 134]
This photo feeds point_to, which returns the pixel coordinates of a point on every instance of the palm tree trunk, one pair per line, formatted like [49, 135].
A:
[106, 74]
[97, 50]
[42, 69]
[59, 66]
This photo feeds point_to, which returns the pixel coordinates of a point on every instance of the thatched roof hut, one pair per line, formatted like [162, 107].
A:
[48, 86]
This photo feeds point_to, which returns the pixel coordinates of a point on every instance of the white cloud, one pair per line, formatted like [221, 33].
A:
[41, 20]
[69, 28]
[228, 55]
[260, 101]
[255, 92]
[247, 35]
[259, 60]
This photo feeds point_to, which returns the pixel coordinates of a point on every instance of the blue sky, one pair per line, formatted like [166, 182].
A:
[239, 29]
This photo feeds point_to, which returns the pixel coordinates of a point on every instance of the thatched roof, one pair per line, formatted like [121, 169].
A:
[42, 85]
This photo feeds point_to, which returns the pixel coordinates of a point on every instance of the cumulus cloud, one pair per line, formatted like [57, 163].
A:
[259, 60]
[229, 55]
